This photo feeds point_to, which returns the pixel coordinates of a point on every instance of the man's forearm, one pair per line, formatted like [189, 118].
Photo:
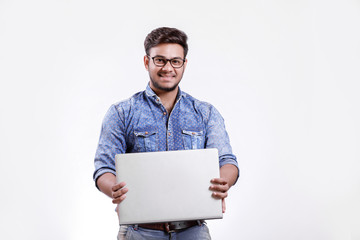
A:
[105, 183]
[230, 173]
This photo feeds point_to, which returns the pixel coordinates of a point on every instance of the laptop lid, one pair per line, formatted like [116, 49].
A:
[168, 186]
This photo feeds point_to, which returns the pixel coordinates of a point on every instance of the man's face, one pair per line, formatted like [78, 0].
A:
[166, 78]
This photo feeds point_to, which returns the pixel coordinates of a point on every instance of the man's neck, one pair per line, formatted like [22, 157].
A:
[168, 99]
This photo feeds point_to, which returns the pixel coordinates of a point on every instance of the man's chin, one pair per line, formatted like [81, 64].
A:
[167, 89]
[164, 87]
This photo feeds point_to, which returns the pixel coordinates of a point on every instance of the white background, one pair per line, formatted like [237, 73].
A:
[284, 75]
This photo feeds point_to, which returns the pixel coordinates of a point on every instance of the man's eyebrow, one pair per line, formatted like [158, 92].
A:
[166, 57]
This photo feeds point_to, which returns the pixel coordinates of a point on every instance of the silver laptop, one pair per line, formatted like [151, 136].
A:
[168, 186]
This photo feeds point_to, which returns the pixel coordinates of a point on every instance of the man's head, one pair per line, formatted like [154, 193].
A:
[165, 35]
[166, 50]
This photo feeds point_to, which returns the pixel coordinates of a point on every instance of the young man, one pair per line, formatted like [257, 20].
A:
[163, 118]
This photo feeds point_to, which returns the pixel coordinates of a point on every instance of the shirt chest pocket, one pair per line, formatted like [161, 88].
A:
[193, 139]
[146, 141]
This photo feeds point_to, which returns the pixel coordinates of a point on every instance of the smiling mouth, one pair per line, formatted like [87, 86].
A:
[166, 76]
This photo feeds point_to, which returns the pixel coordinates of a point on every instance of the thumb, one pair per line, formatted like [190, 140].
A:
[223, 205]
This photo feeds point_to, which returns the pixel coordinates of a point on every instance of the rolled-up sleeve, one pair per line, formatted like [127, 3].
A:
[112, 141]
[217, 137]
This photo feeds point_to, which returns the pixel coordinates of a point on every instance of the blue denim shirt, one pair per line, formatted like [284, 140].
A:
[142, 124]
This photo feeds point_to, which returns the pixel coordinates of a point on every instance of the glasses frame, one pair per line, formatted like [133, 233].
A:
[167, 60]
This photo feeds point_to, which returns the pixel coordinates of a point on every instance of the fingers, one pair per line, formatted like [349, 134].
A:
[118, 186]
[219, 181]
[220, 187]
[119, 199]
[220, 195]
[119, 192]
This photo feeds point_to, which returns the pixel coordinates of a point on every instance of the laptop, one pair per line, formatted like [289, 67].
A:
[168, 186]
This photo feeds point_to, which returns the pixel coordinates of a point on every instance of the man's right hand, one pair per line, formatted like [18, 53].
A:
[107, 184]
[119, 192]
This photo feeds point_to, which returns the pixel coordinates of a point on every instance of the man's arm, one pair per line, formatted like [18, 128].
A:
[107, 185]
[112, 141]
[230, 173]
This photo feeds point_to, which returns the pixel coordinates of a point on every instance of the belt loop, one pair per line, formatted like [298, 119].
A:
[167, 227]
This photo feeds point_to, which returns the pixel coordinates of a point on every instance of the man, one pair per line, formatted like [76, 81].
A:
[163, 118]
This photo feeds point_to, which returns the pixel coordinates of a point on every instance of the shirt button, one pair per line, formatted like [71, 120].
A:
[146, 133]
[193, 133]
[164, 113]
[169, 133]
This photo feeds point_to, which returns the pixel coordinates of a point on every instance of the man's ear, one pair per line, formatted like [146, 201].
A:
[146, 62]
[185, 63]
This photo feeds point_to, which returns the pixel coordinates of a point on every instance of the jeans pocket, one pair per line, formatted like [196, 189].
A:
[124, 232]
[146, 141]
[193, 139]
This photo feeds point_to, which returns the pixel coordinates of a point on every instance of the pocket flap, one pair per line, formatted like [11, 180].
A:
[145, 133]
[192, 133]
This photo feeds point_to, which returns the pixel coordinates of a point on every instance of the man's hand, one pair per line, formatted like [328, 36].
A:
[220, 189]
[107, 184]
[119, 192]
[221, 186]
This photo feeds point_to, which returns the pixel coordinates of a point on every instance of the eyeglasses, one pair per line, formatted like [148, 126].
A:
[161, 61]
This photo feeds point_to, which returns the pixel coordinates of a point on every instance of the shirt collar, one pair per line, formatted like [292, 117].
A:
[151, 93]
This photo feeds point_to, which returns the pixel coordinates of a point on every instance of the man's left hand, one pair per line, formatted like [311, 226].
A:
[220, 189]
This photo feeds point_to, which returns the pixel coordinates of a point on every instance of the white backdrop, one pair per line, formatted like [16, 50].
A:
[284, 74]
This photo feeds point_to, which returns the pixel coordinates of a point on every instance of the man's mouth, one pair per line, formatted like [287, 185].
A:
[166, 76]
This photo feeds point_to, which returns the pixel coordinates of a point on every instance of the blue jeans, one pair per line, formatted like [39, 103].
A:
[132, 232]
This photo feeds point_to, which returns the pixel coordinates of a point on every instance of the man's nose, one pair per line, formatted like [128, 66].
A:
[167, 67]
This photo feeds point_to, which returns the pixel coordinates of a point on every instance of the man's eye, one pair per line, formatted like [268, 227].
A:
[175, 61]
[159, 60]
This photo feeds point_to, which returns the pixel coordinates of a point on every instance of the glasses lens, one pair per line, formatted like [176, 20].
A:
[159, 61]
[176, 63]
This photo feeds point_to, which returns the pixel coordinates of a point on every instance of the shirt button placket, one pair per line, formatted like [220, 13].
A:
[169, 140]
[168, 137]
